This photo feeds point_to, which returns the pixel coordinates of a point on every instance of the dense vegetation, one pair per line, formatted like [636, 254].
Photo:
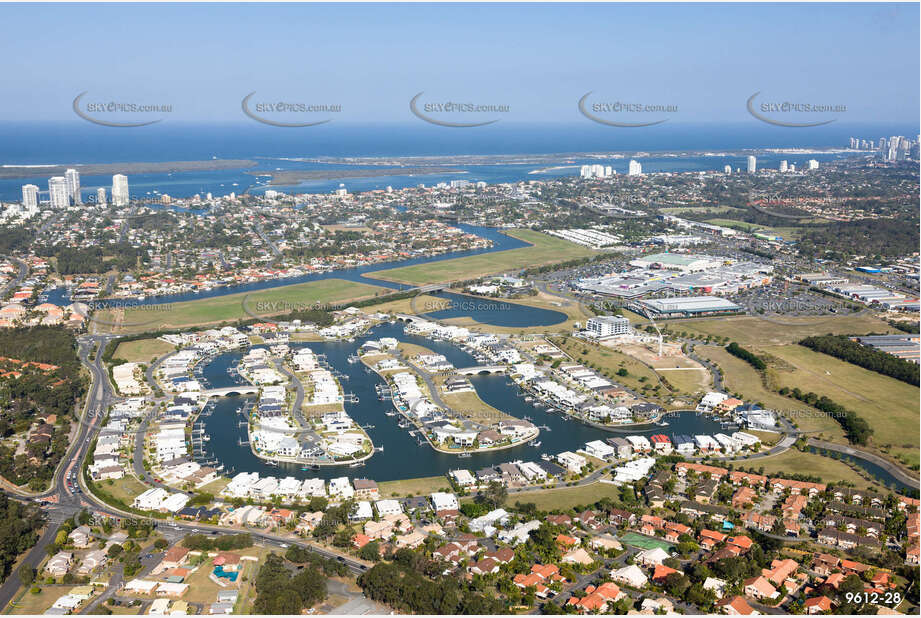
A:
[856, 429]
[872, 237]
[30, 393]
[19, 526]
[280, 592]
[841, 347]
[79, 260]
[225, 542]
[738, 351]
[412, 583]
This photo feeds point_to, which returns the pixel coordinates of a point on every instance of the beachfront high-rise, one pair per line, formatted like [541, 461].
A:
[119, 190]
[101, 196]
[58, 192]
[29, 196]
[752, 164]
[634, 168]
[73, 186]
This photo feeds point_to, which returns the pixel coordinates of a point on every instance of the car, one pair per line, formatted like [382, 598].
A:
[283, 545]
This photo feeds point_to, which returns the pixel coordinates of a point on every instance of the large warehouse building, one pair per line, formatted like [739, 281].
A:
[684, 307]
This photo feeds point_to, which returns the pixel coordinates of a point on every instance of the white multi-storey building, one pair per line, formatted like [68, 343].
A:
[29, 196]
[607, 326]
[73, 186]
[752, 164]
[634, 168]
[120, 190]
[57, 191]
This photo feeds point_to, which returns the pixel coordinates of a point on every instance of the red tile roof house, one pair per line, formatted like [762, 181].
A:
[486, 566]
[360, 540]
[817, 605]
[560, 520]
[742, 542]
[760, 588]
[564, 540]
[780, 570]
[597, 599]
[548, 571]
[661, 572]
[503, 555]
[710, 538]
[532, 579]
[735, 606]
[227, 561]
[175, 557]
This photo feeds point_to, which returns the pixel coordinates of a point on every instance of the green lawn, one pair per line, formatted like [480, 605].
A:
[142, 350]
[563, 498]
[645, 542]
[544, 250]
[889, 405]
[740, 377]
[412, 487]
[750, 330]
[828, 469]
[232, 307]
[125, 489]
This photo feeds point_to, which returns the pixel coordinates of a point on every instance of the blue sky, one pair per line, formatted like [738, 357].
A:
[539, 59]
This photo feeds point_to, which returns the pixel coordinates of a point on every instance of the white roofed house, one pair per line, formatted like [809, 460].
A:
[340, 488]
[313, 488]
[532, 471]
[288, 487]
[151, 499]
[728, 444]
[710, 401]
[640, 444]
[597, 448]
[572, 462]
[442, 501]
[463, 478]
[388, 507]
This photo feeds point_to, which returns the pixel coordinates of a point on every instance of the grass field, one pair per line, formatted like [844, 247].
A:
[142, 350]
[544, 250]
[33, 604]
[830, 470]
[412, 487]
[563, 498]
[126, 488]
[645, 542]
[232, 307]
[741, 378]
[748, 330]
[639, 377]
[889, 405]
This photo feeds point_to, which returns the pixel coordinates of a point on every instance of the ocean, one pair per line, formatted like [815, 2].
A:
[81, 142]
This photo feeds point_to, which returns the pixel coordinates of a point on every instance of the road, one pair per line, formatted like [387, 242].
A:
[13, 283]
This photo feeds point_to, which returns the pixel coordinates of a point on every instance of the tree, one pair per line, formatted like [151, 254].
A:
[26, 574]
[494, 495]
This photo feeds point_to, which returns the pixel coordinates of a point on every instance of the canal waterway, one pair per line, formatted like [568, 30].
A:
[402, 456]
